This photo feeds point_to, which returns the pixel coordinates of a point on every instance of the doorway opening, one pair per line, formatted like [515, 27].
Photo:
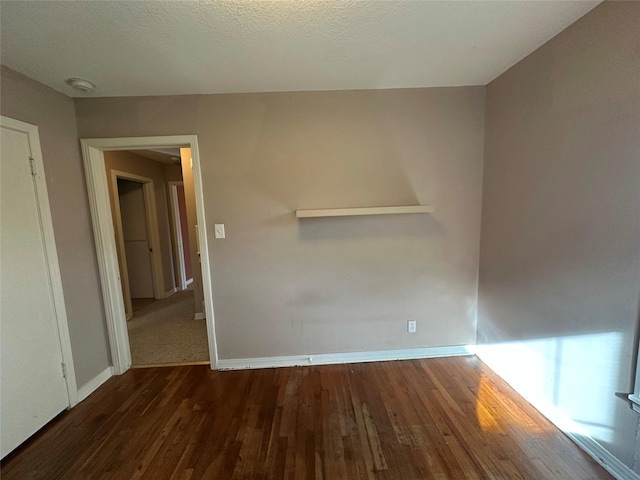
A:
[146, 203]
[149, 203]
[133, 207]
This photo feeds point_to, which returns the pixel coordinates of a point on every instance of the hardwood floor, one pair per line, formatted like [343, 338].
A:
[447, 418]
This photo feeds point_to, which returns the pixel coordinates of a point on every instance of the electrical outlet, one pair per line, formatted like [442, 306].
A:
[411, 326]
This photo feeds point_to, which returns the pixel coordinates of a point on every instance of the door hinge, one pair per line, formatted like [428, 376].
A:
[32, 162]
[64, 369]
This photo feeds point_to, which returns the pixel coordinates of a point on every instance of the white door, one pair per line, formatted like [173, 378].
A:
[136, 238]
[32, 389]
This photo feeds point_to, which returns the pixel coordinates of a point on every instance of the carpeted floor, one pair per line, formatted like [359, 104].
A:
[164, 331]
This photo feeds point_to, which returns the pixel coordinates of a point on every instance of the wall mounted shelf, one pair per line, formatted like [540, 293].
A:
[348, 212]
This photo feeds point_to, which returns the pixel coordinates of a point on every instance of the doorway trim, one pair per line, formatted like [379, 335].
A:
[50, 251]
[178, 244]
[151, 218]
[93, 157]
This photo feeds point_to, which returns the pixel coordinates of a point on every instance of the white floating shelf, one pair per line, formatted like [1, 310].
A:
[347, 212]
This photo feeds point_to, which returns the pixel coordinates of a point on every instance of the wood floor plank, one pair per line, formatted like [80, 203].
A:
[446, 418]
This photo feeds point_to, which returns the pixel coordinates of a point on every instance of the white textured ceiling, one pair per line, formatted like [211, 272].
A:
[184, 47]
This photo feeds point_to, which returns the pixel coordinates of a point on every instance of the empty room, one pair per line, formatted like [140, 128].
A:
[405, 235]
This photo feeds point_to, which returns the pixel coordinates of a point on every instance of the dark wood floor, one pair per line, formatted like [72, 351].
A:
[448, 418]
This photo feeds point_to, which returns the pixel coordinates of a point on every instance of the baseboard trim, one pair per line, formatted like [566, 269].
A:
[601, 455]
[199, 316]
[189, 282]
[171, 364]
[569, 427]
[338, 358]
[93, 384]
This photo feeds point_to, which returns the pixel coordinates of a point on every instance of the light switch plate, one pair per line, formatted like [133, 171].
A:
[219, 230]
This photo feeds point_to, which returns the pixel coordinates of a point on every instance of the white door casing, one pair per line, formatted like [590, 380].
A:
[35, 344]
[92, 152]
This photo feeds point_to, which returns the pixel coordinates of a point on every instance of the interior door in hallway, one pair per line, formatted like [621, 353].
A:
[33, 389]
[136, 238]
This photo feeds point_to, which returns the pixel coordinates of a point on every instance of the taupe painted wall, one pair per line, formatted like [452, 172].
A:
[560, 256]
[131, 163]
[53, 113]
[283, 286]
[172, 173]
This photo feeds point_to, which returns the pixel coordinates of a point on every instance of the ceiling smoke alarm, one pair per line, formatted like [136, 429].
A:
[81, 85]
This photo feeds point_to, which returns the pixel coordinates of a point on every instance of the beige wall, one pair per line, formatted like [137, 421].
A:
[172, 173]
[283, 286]
[145, 167]
[53, 113]
[560, 261]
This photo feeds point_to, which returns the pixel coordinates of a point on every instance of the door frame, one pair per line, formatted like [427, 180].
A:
[151, 218]
[96, 176]
[50, 251]
[178, 244]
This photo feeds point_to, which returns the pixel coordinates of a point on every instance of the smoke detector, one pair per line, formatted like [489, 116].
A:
[84, 86]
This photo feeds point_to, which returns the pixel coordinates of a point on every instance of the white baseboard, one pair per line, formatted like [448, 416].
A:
[601, 455]
[170, 292]
[569, 427]
[337, 358]
[189, 282]
[93, 384]
[199, 316]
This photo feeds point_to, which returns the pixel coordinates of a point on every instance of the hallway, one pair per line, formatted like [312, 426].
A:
[165, 332]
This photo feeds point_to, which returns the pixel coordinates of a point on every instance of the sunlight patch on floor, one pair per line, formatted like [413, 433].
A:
[574, 376]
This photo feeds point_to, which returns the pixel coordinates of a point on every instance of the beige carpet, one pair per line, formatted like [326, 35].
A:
[164, 331]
